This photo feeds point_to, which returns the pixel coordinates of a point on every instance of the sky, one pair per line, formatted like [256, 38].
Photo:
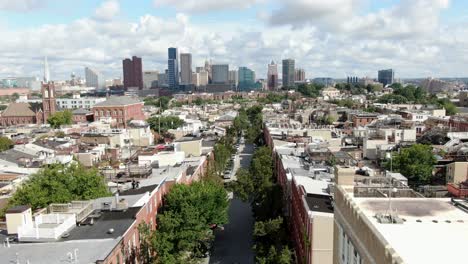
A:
[327, 38]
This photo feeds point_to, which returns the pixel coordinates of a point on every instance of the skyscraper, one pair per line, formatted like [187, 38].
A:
[94, 78]
[208, 70]
[246, 78]
[220, 73]
[133, 73]
[386, 77]
[150, 79]
[233, 77]
[300, 75]
[46, 70]
[173, 68]
[288, 73]
[272, 76]
[186, 68]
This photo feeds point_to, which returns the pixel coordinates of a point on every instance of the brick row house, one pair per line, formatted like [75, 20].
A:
[122, 109]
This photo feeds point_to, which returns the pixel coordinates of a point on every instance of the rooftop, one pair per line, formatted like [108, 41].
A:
[14, 156]
[118, 101]
[319, 203]
[437, 219]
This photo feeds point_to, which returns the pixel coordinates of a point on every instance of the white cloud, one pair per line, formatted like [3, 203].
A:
[107, 10]
[21, 5]
[201, 6]
[394, 37]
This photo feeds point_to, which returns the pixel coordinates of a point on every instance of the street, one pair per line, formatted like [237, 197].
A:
[234, 243]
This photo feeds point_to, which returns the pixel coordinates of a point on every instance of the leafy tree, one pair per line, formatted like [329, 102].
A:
[393, 99]
[162, 101]
[222, 152]
[310, 90]
[5, 143]
[59, 183]
[415, 162]
[270, 239]
[450, 108]
[164, 123]
[184, 224]
[60, 118]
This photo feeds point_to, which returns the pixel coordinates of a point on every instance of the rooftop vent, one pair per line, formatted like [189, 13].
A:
[388, 219]
[110, 231]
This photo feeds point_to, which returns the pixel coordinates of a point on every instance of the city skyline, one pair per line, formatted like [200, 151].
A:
[417, 38]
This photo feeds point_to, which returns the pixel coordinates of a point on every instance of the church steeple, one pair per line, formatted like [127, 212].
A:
[46, 70]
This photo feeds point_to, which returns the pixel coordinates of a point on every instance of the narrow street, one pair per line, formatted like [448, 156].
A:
[234, 243]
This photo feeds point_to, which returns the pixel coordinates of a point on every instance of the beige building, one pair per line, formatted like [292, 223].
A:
[457, 172]
[330, 93]
[408, 228]
[192, 146]
[16, 217]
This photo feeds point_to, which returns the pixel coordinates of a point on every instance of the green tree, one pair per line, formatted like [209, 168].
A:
[164, 123]
[162, 101]
[393, 99]
[59, 183]
[60, 118]
[310, 90]
[185, 221]
[415, 162]
[5, 143]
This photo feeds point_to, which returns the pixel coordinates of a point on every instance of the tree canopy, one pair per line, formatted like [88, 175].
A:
[162, 101]
[415, 162]
[5, 143]
[310, 89]
[185, 222]
[164, 123]
[59, 183]
[60, 118]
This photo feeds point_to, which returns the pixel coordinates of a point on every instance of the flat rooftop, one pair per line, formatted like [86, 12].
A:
[433, 229]
[319, 203]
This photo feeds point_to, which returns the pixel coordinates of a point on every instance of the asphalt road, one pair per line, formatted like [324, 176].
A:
[233, 245]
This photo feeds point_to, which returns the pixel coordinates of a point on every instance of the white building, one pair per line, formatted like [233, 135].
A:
[163, 159]
[94, 78]
[78, 102]
[149, 77]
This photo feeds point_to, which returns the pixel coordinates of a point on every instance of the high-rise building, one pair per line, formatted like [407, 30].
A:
[196, 79]
[246, 78]
[133, 73]
[162, 79]
[185, 68]
[386, 77]
[300, 75]
[233, 77]
[173, 68]
[94, 78]
[149, 78]
[209, 70]
[272, 76]
[46, 70]
[203, 78]
[288, 72]
[220, 73]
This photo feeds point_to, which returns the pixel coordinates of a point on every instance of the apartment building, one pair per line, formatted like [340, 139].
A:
[407, 228]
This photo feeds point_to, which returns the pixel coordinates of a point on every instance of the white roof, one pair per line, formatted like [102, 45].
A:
[312, 186]
[426, 241]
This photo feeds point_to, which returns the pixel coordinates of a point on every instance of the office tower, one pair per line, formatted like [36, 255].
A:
[162, 79]
[133, 73]
[203, 78]
[173, 68]
[209, 70]
[352, 80]
[288, 73]
[386, 77]
[185, 68]
[220, 73]
[46, 70]
[196, 79]
[149, 79]
[246, 78]
[233, 77]
[272, 76]
[94, 78]
[300, 75]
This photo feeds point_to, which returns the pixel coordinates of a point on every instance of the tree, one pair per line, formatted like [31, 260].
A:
[310, 90]
[415, 162]
[59, 183]
[5, 143]
[164, 123]
[162, 101]
[185, 222]
[393, 99]
[60, 118]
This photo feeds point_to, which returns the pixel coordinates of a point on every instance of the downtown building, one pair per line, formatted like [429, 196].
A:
[173, 68]
[386, 77]
[272, 82]
[133, 73]
[289, 73]
[300, 75]
[185, 69]
[94, 79]
[246, 79]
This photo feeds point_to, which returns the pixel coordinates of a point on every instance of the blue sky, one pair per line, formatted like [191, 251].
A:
[418, 38]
